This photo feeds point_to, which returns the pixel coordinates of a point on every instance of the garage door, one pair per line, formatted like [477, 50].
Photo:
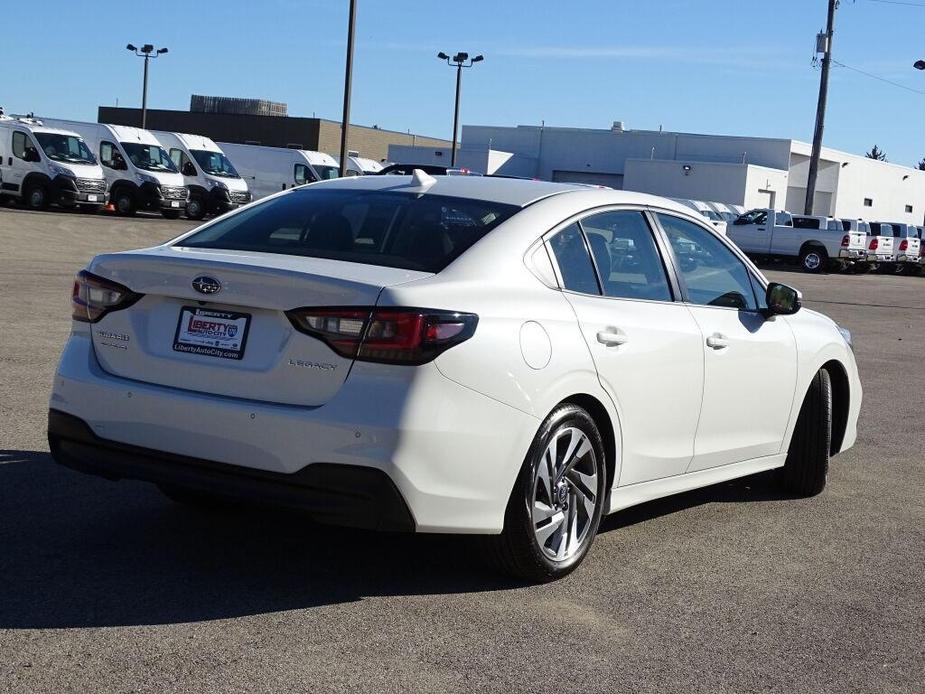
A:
[614, 181]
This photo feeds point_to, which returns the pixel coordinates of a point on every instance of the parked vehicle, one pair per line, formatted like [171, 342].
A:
[706, 211]
[408, 169]
[880, 246]
[773, 234]
[42, 165]
[213, 183]
[906, 246]
[138, 170]
[280, 353]
[725, 211]
[360, 166]
[268, 170]
[806, 221]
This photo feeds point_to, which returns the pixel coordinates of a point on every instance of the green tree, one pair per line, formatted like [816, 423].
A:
[876, 153]
[922, 165]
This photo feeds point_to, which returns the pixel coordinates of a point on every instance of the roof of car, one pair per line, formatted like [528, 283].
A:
[507, 191]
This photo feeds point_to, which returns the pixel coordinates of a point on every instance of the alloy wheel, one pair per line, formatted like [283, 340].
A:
[565, 494]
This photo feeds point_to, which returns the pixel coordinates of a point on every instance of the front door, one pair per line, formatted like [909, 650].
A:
[18, 164]
[750, 361]
[645, 345]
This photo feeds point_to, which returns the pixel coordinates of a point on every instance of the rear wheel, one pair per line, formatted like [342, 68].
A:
[124, 202]
[556, 505]
[807, 466]
[36, 196]
[814, 259]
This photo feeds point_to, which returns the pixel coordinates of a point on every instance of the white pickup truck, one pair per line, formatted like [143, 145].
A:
[772, 234]
[880, 246]
[906, 247]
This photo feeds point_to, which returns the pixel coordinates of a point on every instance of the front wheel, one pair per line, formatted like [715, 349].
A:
[556, 505]
[807, 465]
[195, 209]
[124, 202]
[36, 197]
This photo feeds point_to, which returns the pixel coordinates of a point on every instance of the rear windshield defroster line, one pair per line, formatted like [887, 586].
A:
[392, 229]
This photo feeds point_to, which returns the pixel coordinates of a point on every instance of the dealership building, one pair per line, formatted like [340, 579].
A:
[748, 171]
[262, 122]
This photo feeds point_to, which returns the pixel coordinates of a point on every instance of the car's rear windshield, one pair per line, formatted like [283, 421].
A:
[401, 230]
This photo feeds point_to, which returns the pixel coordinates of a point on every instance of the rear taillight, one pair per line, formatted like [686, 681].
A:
[389, 335]
[846, 241]
[93, 297]
[903, 245]
[874, 243]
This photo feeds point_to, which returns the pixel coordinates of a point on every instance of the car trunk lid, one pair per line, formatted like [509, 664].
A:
[236, 341]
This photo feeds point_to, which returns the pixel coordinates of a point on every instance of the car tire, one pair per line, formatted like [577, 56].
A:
[804, 474]
[170, 214]
[36, 197]
[814, 259]
[564, 462]
[195, 209]
[125, 204]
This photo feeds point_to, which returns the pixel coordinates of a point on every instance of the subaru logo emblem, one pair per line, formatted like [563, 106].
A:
[207, 285]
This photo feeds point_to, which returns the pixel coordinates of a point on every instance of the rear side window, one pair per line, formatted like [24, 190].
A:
[568, 246]
[402, 230]
[627, 259]
[805, 223]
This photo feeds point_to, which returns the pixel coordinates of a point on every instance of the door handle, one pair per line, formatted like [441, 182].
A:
[612, 338]
[717, 341]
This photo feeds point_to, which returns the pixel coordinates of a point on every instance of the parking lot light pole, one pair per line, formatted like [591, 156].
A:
[147, 52]
[460, 60]
[348, 85]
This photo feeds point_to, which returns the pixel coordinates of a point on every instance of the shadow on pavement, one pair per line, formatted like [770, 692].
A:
[77, 551]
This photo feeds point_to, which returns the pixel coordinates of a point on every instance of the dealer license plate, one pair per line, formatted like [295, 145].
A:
[211, 333]
[92, 198]
[174, 203]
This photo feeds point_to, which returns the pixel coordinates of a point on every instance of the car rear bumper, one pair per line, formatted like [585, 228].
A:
[347, 495]
[452, 453]
[852, 254]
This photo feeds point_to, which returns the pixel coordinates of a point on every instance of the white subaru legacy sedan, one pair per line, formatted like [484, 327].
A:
[503, 357]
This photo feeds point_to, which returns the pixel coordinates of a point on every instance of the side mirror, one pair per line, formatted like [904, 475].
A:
[188, 169]
[782, 300]
[118, 164]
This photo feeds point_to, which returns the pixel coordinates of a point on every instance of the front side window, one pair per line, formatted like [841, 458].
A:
[65, 148]
[149, 157]
[110, 156]
[753, 217]
[21, 144]
[627, 259]
[574, 261]
[399, 230]
[178, 157]
[711, 272]
[303, 174]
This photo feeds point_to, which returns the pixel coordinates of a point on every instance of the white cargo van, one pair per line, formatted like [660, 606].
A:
[41, 165]
[706, 211]
[359, 166]
[213, 183]
[138, 170]
[268, 170]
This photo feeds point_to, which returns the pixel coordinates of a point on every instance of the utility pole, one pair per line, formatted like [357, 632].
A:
[824, 41]
[348, 84]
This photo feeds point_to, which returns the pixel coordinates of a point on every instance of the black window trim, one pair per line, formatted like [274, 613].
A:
[668, 261]
[737, 252]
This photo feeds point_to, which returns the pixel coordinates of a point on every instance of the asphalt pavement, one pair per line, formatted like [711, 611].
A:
[110, 587]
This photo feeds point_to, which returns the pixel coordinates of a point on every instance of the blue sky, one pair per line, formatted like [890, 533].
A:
[713, 66]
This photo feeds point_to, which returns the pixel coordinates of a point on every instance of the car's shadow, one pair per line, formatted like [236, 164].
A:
[77, 551]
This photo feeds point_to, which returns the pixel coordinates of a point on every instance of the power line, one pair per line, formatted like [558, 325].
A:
[881, 79]
[900, 2]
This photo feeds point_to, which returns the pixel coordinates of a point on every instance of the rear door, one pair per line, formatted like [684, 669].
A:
[645, 346]
[750, 362]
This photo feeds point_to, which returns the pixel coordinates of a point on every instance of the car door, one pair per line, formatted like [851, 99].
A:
[752, 232]
[18, 165]
[645, 344]
[750, 361]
